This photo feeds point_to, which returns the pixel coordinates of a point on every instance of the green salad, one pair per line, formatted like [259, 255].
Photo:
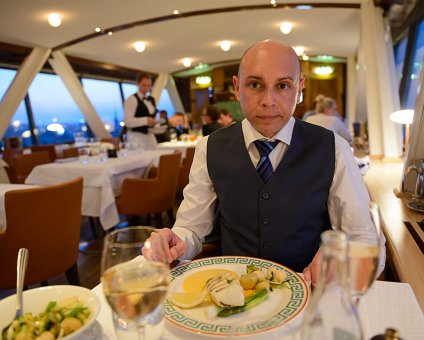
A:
[56, 321]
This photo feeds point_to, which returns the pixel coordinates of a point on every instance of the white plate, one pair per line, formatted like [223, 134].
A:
[282, 306]
[36, 300]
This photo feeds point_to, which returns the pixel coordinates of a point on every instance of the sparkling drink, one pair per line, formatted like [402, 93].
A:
[363, 264]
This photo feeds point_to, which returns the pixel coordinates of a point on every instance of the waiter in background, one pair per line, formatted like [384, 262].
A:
[139, 112]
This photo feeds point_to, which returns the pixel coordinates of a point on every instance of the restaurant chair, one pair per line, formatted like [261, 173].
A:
[50, 148]
[46, 221]
[143, 197]
[8, 156]
[185, 171]
[70, 152]
[24, 164]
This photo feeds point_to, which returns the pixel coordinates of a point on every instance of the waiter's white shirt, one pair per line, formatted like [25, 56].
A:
[348, 201]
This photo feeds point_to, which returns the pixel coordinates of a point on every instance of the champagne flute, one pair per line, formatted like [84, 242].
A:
[134, 287]
[364, 259]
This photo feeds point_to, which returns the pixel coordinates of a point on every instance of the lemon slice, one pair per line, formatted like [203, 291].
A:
[187, 300]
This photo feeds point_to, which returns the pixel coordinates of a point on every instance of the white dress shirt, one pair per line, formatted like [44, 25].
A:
[348, 201]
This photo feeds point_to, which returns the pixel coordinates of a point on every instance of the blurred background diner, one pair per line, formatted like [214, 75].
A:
[70, 93]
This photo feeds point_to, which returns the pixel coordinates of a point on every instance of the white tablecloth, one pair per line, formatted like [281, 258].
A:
[386, 305]
[3, 189]
[102, 180]
[180, 146]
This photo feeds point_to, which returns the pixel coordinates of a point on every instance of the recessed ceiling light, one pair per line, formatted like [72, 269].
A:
[175, 12]
[186, 62]
[286, 27]
[299, 50]
[54, 19]
[304, 7]
[225, 45]
[97, 29]
[273, 2]
[139, 46]
[109, 33]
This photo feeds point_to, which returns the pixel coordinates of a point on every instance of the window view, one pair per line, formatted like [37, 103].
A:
[106, 99]
[416, 68]
[56, 115]
[19, 126]
[400, 51]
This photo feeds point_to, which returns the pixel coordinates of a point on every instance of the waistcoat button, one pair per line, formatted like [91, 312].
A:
[265, 195]
[265, 221]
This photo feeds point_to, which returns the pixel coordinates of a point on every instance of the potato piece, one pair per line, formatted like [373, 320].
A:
[262, 284]
[248, 281]
[45, 336]
[260, 275]
[70, 325]
[276, 275]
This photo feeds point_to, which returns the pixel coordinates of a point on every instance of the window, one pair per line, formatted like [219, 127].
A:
[106, 99]
[400, 51]
[19, 126]
[415, 68]
[56, 115]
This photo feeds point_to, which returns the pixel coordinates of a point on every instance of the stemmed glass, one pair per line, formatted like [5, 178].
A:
[134, 287]
[364, 259]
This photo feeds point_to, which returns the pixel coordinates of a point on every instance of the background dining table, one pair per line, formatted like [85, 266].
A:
[102, 180]
[385, 305]
[177, 146]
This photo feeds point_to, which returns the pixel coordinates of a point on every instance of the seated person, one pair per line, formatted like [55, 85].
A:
[326, 117]
[210, 117]
[226, 118]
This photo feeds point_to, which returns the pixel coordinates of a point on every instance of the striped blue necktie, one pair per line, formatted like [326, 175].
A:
[264, 167]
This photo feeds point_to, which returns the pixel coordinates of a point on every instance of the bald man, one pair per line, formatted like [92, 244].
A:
[314, 183]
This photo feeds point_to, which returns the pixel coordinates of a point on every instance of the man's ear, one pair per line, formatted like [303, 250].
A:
[236, 84]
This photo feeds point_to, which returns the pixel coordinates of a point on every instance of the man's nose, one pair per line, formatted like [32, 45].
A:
[268, 97]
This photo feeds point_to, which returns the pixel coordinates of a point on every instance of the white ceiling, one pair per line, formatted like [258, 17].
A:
[327, 31]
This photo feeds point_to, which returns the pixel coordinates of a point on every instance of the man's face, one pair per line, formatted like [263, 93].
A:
[144, 85]
[268, 86]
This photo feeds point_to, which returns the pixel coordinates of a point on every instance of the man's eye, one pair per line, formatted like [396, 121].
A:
[254, 85]
[283, 86]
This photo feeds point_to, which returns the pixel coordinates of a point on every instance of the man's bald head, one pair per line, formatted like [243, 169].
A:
[264, 47]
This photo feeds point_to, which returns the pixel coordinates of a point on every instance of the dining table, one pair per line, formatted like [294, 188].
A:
[102, 179]
[177, 146]
[5, 187]
[385, 305]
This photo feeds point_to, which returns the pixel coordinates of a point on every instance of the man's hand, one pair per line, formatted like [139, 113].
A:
[151, 121]
[313, 271]
[164, 246]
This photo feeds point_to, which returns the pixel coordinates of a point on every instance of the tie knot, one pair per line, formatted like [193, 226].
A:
[265, 147]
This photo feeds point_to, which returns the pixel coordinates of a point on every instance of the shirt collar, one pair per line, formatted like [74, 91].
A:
[250, 134]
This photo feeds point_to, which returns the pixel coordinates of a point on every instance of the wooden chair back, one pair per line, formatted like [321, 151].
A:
[185, 170]
[46, 221]
[9, 155]
[24, 164]
[50, 148]
[151, 195]
[70, 152]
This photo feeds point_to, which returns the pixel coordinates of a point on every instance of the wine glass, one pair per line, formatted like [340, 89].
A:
[364, 258]
[134, 287]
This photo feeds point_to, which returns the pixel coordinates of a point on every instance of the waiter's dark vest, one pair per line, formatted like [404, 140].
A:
[281, 220]
[143, 111]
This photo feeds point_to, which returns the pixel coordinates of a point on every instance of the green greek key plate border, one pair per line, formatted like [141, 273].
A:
[297, 302]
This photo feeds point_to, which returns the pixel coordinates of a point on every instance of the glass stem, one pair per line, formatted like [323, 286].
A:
[141, 329]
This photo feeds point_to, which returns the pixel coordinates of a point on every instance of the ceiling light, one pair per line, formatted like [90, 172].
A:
[273, 2]
[54, 19]
[323, 70]
[186, 62]
[299, 50]
[305, 57]
[303, 7]
[176, 12]
[97, 29]
[139, 46]
[286, 27]
[225, 45]
[109, 33]
[203, 80]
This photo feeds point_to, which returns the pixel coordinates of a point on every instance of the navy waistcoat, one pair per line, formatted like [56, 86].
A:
[280, 220]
